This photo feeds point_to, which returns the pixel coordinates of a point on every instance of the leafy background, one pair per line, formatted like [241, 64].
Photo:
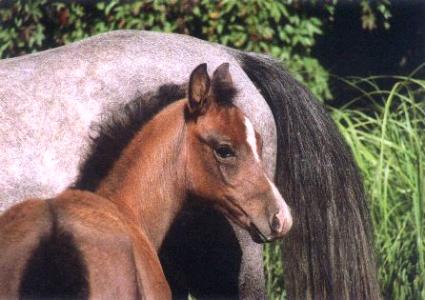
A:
[386, 135]
[283, 29]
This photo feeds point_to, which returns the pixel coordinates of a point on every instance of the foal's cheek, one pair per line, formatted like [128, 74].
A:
[230, 170]
[229, 173]
[203, 168]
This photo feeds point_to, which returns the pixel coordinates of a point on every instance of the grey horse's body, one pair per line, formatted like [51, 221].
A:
[49, 100]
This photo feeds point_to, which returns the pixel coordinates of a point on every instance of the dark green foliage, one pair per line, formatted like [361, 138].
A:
[281, 29]
[388, 143]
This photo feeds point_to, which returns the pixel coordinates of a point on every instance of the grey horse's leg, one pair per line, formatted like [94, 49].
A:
[251, 274]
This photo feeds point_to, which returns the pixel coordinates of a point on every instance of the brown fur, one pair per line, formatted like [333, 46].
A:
[119, 228]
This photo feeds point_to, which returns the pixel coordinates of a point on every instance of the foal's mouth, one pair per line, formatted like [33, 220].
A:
[258, 236]
[237, 215]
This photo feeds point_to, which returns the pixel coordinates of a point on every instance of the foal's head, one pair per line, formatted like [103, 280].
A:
[224, 163]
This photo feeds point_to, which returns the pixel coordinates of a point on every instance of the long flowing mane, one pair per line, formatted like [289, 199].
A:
[329, 251]
[112, 135]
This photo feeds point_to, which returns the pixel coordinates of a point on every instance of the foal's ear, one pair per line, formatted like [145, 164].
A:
[222, 84]
[199, 86]
[222, 75]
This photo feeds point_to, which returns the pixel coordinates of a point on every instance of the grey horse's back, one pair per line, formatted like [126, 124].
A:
[49, 100]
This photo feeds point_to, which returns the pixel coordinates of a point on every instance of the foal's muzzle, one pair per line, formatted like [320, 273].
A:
[276, 220]
[281, 222]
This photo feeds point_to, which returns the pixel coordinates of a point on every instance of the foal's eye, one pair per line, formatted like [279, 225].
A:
[224, 151]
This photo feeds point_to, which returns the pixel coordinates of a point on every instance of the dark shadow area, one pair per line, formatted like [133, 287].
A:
[201, 254]
[56, 268]
[348, 50]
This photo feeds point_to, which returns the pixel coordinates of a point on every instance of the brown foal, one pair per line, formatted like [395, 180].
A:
[104, 244]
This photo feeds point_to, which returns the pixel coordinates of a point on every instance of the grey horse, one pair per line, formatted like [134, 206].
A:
[50, 100]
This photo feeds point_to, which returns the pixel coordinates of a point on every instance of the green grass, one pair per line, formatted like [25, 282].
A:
[388, 143]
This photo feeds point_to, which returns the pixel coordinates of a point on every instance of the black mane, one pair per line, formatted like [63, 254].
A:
[114, 134]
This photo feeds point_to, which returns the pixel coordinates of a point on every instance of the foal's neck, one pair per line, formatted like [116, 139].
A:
[147, 183]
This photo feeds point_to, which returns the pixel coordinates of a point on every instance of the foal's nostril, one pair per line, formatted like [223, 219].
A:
[277, 222]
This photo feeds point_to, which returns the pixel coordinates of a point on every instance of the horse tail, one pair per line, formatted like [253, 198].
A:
[56, 267]
[329, 253]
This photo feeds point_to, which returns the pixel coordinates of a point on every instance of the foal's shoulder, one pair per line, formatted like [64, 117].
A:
[85, 210]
